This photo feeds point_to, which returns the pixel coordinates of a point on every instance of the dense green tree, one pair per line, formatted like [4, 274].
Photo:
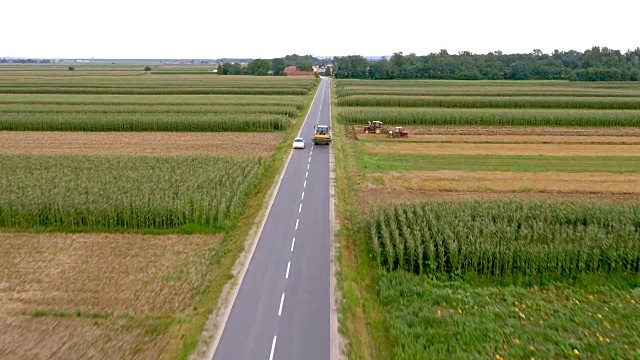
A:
[278, 65]
[352, 66]
[258, 67]
[305, 66]
[595, 64]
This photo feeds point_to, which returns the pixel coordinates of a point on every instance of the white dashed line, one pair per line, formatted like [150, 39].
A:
[306, 175]
[309, 158]
[300, 209]
[310, 153]
[308, 166]
[297, 220]
[293, 243]
[288, 266]
[281, 302]
[305, 184]
[273, 347]
[303, 193]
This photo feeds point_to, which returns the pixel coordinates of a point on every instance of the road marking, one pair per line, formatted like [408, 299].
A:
[303, 193]
[281, 302]
[288, 266]
[310, 153]
[293, 243]
[307, 174]
[273, 347]
[300, 209]
[296, 227]
[308, 166]
[309, 159]
[305, 184]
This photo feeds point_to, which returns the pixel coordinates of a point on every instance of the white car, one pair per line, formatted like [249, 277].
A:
[298, 143]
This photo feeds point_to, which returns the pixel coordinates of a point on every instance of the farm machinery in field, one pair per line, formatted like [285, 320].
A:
[377, 128]
[398, 132]
[373, 127]
[322, 135]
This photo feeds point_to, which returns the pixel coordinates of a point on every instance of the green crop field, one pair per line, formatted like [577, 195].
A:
[369, 162]
[481, 103]
[520, 102]
[489, 116]
[116, 98]
[438, 258]
[507, 238]
[140, 121]
[124, 192]
[148, 193]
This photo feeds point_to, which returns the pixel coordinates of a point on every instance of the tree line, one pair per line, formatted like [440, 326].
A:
[276, 66]
[595, 64]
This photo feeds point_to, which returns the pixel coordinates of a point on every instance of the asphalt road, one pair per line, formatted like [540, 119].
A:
[282, 309]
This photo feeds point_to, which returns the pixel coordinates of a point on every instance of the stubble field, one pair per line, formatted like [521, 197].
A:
[127, 196]
[505, 226]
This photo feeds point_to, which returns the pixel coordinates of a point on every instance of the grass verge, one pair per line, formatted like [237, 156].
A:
[360, 318]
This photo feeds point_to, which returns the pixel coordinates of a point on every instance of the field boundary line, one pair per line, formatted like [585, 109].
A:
[219, 317]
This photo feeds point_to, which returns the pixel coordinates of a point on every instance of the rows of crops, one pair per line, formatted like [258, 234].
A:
[131, 192]
[127, 83]
[519, 102]
[488, 103]
[141, 103]
[500, 239]
[155, 100]
[503, 117]
[143, 122]
[128, 192]
[286, 110]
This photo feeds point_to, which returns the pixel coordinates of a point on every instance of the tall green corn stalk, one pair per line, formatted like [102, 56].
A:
[507, 238]
[125, 192]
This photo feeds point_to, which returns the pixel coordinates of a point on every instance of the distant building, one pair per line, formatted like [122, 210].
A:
[293, 71]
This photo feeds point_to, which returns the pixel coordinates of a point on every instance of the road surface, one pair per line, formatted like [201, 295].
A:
[282, 309]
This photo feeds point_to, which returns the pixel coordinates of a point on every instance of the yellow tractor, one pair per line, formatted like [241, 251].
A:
[322, 135]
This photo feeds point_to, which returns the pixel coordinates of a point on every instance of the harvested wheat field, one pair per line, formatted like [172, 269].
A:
[97, 296]
[385, 196]
[496, 181]
[139, 143]
[504, 149]
[63, 338]
[512, 139]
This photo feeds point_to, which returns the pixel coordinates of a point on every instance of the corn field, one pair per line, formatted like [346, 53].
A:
[504, 117]
[152, 100]
[127, 192]
[601, 103]
[212, 122]
[144, 91]
[506, 238]
[287, 110]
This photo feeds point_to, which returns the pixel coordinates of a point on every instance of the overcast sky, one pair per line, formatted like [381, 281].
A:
[267, 29]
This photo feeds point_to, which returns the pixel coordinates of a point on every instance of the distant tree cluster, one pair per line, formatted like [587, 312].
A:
[595, 64]
[261, 67]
